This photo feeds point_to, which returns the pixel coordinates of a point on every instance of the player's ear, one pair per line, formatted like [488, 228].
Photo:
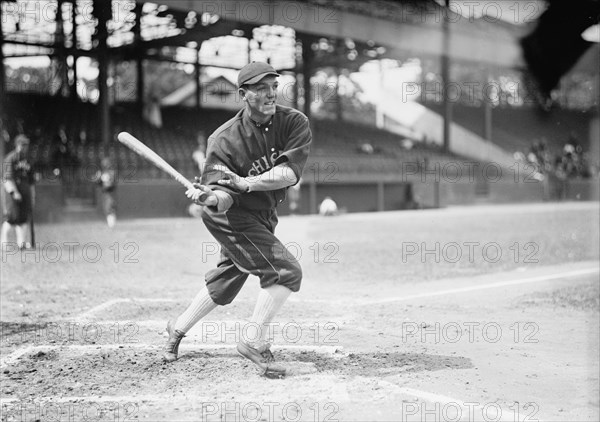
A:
[242, 92]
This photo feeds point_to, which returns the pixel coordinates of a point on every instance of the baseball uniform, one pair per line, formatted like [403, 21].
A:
[246, 230]
[18, 169]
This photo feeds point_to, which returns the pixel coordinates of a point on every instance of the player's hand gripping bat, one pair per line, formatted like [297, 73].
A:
[143, 150]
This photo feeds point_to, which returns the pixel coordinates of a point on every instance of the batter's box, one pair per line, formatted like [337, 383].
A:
[123, 370]
[213, 380]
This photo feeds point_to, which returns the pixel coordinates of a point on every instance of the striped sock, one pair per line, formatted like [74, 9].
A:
[198, 309]
[268, 304]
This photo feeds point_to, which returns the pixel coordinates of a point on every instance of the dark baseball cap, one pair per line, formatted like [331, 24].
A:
[21, 140]
[254, 72]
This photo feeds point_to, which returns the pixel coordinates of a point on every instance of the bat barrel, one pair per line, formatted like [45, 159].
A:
[143, 150]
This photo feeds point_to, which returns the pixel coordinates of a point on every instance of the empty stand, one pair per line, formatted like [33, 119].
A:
[336, 146]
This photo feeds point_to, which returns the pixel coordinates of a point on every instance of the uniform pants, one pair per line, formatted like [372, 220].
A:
[248, 246]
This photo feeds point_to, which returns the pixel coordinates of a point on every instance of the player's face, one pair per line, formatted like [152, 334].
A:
[23, 147]
[261, 96]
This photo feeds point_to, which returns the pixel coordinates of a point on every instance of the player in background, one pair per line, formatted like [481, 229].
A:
[107, 179]
[18, 182]
[199, 157]
[251, 160]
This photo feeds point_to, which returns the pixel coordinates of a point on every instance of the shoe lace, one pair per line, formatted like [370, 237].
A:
[174, 340]
[265, 352]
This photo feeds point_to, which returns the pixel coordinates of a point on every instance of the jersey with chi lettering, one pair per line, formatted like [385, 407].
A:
[250, 149]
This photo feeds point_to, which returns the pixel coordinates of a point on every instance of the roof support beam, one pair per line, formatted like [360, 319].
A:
[422, 38]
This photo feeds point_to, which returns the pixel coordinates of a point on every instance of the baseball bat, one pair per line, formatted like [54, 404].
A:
[32, 229]
[143, 150]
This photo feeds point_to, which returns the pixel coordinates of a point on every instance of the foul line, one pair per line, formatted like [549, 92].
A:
[105, 305]
[88, 315]
[472, 408]
[569, 274]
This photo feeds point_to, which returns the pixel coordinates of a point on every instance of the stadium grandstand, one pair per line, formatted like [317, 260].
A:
[413, 104]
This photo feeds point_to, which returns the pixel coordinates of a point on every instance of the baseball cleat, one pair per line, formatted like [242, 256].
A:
[172, 347]
[263, 360]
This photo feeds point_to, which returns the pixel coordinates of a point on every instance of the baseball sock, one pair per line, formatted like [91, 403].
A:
[198, 309]
[4, 235]
[269, 302]
[20, 230]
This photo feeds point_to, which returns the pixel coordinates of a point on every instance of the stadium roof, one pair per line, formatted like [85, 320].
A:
[400, 27]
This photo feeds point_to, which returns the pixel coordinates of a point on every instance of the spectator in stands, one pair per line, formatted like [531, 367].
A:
[83, 137]
[328, 207]
[519, 156]
[107, 179]
[20, 194]
[539, 157]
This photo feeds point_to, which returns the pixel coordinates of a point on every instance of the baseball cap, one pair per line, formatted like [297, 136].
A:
[21, 139]
[254, 72]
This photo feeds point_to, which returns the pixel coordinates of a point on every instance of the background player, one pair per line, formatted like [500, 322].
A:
[107, 179]
[199, 157]
[20, 192]
[251, 160]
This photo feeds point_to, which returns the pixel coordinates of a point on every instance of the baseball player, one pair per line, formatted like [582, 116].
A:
[20, 193]
[107, 179]
[251, 160]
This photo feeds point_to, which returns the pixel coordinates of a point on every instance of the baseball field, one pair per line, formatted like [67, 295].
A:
[487, 313]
